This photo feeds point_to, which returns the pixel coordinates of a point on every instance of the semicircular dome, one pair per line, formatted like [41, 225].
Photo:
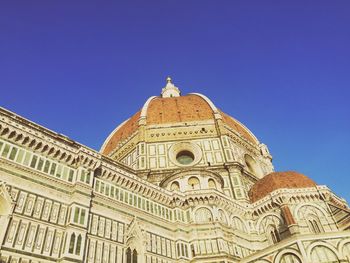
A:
[279, 180]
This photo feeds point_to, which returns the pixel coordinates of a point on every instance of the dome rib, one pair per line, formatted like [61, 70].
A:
[207, 100]
[145, 107]
[239, 127]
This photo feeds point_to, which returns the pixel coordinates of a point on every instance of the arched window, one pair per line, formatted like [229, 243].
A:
[131, 255]
[175, 186]
[211, 184]
[273, 234]
[78, 247]
[71, 243]
[203, 215]
[322, 254]
[276, 236]
[134, 256]
[193, 183]
[314, 226]
[128, 255]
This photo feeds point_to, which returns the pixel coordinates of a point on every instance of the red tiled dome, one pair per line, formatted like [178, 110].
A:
[191, 107]
[125, 130]
[279, 180]
[178, 109]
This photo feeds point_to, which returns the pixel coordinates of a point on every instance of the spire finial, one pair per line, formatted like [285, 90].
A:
[170, 90]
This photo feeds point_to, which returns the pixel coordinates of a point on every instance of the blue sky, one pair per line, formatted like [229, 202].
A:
[280, 67]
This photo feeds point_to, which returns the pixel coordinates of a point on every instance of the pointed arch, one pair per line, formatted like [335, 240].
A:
[135, 241]
[78, 246]
[269, 219]
[313, 217]
[317, 210]
[134, 256]
[273, 234]
[128, 255]
[71, 243]
[314, 224]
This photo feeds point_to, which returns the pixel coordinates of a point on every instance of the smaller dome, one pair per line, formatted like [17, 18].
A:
[279, 180]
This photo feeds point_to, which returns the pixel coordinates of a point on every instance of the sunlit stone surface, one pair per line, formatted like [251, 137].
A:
[179, 181]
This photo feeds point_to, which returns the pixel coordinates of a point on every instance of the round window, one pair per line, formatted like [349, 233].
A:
[185, 154]
[185, 157]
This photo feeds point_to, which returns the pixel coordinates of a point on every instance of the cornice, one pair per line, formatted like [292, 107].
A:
[29, 135]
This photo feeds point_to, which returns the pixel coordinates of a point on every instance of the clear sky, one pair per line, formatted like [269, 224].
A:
[280, 67]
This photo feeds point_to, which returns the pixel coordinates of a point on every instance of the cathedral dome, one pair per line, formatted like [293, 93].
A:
[171, 108]
[279, 180]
